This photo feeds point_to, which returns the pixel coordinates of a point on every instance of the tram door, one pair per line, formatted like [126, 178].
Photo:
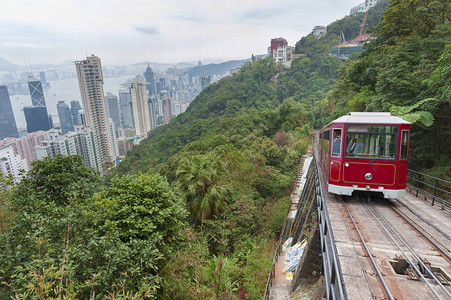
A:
[335, 156]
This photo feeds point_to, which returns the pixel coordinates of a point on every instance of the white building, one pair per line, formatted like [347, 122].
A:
[90, 80]
[281, 52]
[24, 146]
[319, 31]
[363, 7]
[112, 125]
[81, 142]
[11, 164]
[140, 107]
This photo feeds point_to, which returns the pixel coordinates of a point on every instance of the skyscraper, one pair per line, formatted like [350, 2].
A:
[140, 107]
[204, 81]
[8, 126]
[114, 111]
[65, 117]
[153, 112]
[150, 80]
[36, 118]
[90, 80]
[166, 106]
[74, 108]
[43, 79]
[36, 92]
[125, 99]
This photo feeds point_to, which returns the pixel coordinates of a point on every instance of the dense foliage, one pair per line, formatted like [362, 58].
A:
[66, 241]
[407, 64]
[193, 211]
[310, 77]
[232, 157]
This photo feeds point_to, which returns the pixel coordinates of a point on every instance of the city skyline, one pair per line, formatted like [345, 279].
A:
[37, 31]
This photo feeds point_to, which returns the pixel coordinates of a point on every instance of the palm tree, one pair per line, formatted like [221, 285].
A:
[200, 178]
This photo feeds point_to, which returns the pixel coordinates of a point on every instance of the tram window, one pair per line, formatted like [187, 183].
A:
[336, 143]
[404, 145]
[326, 141]
[371, 141]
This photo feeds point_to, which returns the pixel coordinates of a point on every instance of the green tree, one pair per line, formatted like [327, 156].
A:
[6, 210]
[201, 180]
[137, 220]
[49, 223]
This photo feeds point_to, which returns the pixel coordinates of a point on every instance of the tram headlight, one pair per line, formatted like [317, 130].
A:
[368, 176]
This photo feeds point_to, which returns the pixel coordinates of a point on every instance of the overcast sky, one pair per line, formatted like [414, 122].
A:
[165, 31]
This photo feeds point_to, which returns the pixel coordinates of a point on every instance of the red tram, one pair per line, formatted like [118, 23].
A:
[365, 151]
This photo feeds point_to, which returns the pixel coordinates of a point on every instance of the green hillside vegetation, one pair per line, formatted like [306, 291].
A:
[194, 211]
[406, 64]
[206, 229]
[310, 77]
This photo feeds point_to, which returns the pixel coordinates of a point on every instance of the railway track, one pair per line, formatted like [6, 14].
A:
[412, 246]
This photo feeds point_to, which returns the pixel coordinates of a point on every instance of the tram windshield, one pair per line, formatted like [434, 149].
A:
[371, 141]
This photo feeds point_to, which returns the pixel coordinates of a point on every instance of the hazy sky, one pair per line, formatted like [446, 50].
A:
[166, 31]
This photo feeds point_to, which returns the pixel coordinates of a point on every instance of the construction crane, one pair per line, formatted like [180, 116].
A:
[358, 40]
[342, 38]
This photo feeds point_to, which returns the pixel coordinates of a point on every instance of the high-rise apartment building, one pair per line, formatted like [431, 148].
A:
[80, 142]
[125, 100]
[11, 164]
[114, 111]
[81, 117]
[43, 78]
[90, 80]
[166, 106]
[24, 146]
[8, 126]
[205, 80]
[74, 108]
[65, 116]
[113, 136]
[152, 112]
[124, 145]
[140, 107]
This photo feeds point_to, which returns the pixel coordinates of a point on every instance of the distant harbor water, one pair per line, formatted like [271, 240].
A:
[65, 90]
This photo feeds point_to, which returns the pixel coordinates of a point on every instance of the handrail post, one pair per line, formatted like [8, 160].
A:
[435, 191]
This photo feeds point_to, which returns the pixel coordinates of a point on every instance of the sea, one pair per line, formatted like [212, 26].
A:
[65, 90]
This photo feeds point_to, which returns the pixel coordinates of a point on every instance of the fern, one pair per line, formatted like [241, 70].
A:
[424, 118]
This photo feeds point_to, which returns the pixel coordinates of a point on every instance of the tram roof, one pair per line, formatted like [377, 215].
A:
[370, 118]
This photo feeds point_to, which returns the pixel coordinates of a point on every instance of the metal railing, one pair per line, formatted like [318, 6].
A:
[333, 278]
[334, 284]
[437, 189]
[280, 243]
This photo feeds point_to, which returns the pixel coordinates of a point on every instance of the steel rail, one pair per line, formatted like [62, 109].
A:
[387, 289]
[376, 212]
[424, 233]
